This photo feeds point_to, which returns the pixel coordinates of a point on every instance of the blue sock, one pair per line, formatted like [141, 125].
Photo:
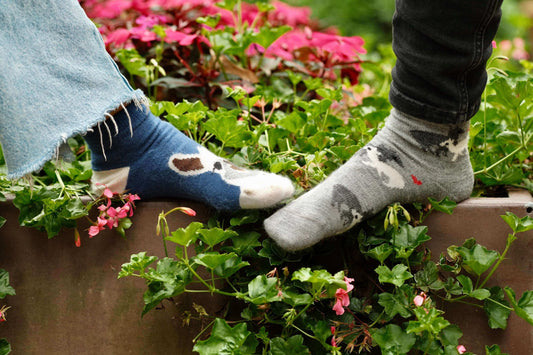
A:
[139, 153]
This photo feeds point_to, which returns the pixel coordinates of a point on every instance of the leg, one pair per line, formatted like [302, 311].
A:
[58, 81]
[422, 151]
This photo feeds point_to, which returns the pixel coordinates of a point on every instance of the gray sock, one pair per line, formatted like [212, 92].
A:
[409, 160]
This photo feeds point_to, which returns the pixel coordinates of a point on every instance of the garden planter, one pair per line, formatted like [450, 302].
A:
[70, 301]
[479, 218]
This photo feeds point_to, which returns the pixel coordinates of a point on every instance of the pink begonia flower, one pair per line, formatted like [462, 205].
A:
[108, 193]
[289, 15]
[420, 299]
[100, 225]
[342, 298]
[118, 37]
[182, 38]
[461, 349]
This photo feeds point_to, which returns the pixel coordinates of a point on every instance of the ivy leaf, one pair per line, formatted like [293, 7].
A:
[396, 276]
[227, 340]
[186, 236]
[293, 345]
[244, 244]
[427, 320]
[524, 307]
[2, 221]
[320, 280]
[518, 224]
[494, 350]
[263, 289]
[380, 253]
[214, 236]
[230, 131]
[138, 262]
[410, 237]
[428, 277]
[466, 282]
[224, 265]
[477, 259]
[480, 294]
[446, 205]
[393, 340]
[497, 311]
[167, 280]
[451, 335]
[394, 305]
[5, 348]
[5, 289]
[294, 298]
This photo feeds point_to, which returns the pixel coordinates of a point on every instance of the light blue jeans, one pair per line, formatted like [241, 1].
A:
[56, 80]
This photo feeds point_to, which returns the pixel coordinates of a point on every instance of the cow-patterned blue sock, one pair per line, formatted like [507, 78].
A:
[139, 153]
[409, 160]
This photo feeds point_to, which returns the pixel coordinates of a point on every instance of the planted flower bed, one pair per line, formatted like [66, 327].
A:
[261, 85]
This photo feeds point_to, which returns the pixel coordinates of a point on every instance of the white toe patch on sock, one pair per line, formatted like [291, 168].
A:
[263, 190]
[115, 179]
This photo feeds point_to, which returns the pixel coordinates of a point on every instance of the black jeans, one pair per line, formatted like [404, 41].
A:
[442, 47]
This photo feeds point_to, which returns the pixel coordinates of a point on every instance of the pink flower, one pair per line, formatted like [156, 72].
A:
[461, 349]
[188, 211]
[108, 193]
[494, 44]
[420, 299]
[342, 298]
[100, 225]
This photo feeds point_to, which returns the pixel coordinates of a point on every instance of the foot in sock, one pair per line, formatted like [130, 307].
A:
[139, 153]
[409, 160]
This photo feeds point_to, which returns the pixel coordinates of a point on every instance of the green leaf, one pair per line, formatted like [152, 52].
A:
[497, 308]
[427, 320]
[5, 348]
[227, 129]
[167, 280]
[396, 276]
[224, 265]
[293, 298]
[410, 237]
[138, 262]
[227, 340]
[214, 236]
[263, 289]
[517, 224]
[186, 236]
[394, 305]
[380, 253]
[446, 205]
[451, 335]
[293, 345]
[466, 282]
[244, 244]
[428, 277]
[524, 307]
[392, 339]
[320, 280]
[5, 288]
[494, 350]
[2, 221]
[480, 294]
[477, 259]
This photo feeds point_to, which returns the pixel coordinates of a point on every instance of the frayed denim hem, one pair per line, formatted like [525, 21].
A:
[51, 152]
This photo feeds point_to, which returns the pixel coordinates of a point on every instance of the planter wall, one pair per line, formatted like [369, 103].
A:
[69, 300]
[479, 218]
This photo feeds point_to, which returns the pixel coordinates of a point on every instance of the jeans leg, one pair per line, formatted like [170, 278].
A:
[442, 47]
[56, 80]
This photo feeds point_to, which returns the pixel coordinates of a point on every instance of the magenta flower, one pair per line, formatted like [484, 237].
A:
[341, 297]
[461, 349]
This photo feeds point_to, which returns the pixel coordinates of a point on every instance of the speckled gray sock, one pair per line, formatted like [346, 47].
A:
[409, 160]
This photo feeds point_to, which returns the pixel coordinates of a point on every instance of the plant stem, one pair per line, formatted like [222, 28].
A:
[510, 239]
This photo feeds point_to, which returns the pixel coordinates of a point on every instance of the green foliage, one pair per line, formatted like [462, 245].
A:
[5, 288]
